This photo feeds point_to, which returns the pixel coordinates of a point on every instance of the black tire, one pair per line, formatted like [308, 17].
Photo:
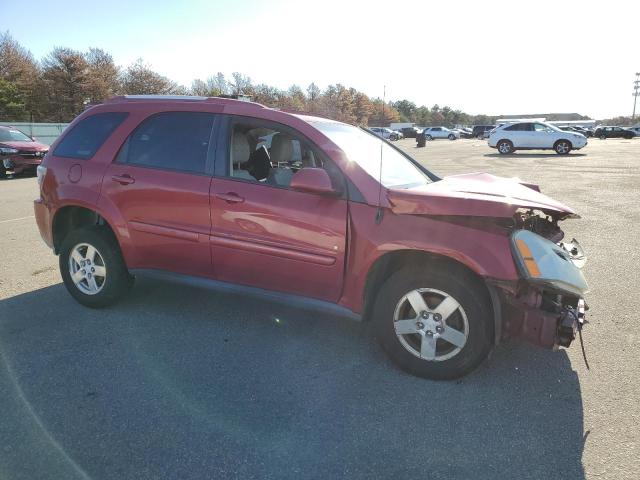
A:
[470, 295]
[3, 171]
[480, 137]
[452, 137]
[505, 147]
[428, 137]
[603, 137]
[562, 147]
[117, 281]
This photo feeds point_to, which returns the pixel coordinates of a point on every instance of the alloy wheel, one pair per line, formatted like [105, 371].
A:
[87, 268]
[504, 147]
[431, 324]
[562, 148]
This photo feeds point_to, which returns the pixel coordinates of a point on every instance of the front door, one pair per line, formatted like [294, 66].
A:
[264, 234]
[158, 184]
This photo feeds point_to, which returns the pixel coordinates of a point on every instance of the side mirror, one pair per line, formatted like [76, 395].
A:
[312, 180]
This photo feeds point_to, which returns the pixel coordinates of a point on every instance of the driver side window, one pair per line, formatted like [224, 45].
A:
[267, 153]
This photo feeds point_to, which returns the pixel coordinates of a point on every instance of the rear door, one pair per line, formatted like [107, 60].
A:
[519, 134]
[158, 183]
[264, 234]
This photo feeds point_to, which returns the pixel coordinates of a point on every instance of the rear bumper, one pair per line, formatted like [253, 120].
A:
[44, 219]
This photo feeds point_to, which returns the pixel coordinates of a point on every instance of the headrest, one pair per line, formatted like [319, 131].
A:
[240, 149]
[281, 149]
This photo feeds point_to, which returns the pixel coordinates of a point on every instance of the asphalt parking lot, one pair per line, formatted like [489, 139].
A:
[182, 383]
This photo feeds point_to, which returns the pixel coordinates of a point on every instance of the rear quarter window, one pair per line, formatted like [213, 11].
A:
[88, 135]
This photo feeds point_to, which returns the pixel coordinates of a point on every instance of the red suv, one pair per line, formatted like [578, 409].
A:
[218, 191]
[19, 152]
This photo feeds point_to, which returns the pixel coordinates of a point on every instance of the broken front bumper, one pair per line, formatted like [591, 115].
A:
[546, 306]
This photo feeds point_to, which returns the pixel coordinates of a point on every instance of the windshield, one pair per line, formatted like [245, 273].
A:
[366, 150]
[13, 136]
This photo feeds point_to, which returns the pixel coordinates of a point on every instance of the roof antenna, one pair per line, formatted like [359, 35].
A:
[380, 211]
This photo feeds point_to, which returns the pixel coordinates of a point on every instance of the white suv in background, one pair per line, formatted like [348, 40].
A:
[510, 137]
[432, 133]
[386, 133]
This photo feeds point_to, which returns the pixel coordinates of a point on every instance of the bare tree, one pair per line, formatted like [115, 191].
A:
[103, 76]
[139, 79]
[65, 73]
[240, 84]
[20, 70]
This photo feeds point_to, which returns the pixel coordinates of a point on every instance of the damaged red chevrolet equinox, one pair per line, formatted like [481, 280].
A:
[222, 192]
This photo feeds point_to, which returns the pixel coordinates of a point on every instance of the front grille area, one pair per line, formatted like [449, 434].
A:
[25, 154]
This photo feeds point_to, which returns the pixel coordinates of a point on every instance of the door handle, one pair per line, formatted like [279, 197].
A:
[230, 197]
[124, 179]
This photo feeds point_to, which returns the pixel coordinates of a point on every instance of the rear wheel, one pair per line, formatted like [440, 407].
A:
[505, 147]
[434, 324]
[562, 147]
[428, 137]
[92, 267]
[452, 136]
[480, 137]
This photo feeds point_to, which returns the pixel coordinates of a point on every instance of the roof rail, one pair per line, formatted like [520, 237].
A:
[165, 97]
[182, 98]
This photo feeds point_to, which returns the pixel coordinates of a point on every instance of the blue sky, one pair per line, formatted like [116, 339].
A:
[482, 57]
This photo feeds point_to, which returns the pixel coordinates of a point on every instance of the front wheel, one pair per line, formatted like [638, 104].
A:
[434, 324]
[452, 137]
[92, 267]
[428, 137]
[505, 147]
[562, 147]
[603, 137]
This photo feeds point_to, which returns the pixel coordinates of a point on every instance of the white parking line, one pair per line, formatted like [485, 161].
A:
[17, 219]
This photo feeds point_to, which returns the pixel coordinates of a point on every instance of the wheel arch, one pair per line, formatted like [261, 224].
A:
[73, 216]
[389, 263]
[563, 140]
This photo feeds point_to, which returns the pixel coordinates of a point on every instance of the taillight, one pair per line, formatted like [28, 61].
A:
[41, 172]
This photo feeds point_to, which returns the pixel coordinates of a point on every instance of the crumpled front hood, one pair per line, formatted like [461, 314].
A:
[475, 194]
[26, 146]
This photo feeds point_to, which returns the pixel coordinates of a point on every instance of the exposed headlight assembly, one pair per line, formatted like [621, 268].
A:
[553, 266]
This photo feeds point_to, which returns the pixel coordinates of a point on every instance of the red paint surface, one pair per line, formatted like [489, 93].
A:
[280, 239]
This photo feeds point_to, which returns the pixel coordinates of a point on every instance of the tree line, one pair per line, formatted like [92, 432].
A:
[63, 83]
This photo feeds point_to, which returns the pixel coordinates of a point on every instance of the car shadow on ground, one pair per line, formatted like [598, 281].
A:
[532, 155]
[177, 382]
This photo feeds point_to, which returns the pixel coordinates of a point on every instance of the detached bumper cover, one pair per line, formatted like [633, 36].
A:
[546, 306]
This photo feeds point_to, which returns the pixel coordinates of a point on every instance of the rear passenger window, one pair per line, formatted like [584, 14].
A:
[86, 137]
[171, 141]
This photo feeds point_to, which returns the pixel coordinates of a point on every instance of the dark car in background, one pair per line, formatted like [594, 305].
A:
[613, 132]
[482, 131]
[576, 129]
[410, 132]
[19, 152]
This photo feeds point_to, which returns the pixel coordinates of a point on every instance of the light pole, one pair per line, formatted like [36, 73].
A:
[636, 94]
